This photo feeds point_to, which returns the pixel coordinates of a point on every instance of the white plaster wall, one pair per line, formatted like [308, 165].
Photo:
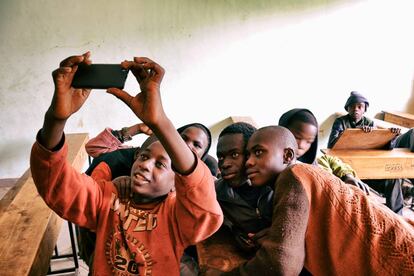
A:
[253, 58]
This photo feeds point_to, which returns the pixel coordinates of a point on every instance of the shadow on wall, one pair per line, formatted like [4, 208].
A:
[410, 104]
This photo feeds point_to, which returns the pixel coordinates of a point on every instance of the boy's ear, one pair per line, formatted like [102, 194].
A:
[288, 155]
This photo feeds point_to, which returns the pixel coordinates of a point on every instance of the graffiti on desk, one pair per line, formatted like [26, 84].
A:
[393, 167]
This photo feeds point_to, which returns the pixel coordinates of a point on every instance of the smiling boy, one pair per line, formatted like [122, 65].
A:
[319, 222]
[247, 209]
[147, 234]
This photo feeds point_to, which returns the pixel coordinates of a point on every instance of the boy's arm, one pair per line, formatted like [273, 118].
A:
[336, 131]
[102, 143]
[197, 212]
[148, 107]
[335, 166]
[73, 196]
[110, 140]
[282, 251]
[341, 170]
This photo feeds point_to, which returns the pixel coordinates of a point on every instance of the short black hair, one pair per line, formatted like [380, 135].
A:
[243, 128]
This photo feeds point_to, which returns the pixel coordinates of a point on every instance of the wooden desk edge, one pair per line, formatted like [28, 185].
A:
[36, 257]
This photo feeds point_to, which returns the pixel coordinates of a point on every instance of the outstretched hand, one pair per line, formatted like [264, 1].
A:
[67, 99]
[147, 104]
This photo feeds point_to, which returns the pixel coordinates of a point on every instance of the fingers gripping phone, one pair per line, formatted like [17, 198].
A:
[100, 76]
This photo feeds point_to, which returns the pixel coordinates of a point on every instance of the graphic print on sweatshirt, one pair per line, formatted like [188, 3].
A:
[124, 252]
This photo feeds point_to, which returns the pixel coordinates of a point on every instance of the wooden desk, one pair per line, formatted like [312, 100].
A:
[399, 118]
[28, 228]
[378, 164]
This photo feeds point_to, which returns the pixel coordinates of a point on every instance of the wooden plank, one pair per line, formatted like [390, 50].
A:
[378, 164]
[357, 139]
[399, 118]
[220, 252]
[28, 228]
[387, 125]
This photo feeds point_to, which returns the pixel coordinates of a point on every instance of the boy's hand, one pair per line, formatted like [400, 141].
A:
[140, 128]
[66, 99]
[350, 179]
[259, 237]
[367, 128]
[146, 104]
[395, 130]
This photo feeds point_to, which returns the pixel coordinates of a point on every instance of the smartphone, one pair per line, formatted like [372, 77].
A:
[100, 76]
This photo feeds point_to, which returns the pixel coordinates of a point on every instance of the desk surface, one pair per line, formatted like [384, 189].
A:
[378, 164]
[28, 228]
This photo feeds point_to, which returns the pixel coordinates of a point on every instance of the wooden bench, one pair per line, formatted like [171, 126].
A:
[28, 228]
[399, 118]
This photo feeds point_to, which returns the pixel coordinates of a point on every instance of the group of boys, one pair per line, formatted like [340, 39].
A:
[312, 222]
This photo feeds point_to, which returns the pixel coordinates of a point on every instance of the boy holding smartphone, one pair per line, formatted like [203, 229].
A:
[147, 234]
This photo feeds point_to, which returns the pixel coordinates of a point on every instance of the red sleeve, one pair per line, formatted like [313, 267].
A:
[73, 196]
[102, 143]
[197, 212]
[102, 172]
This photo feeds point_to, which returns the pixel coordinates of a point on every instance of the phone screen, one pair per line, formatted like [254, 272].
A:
[100, 76]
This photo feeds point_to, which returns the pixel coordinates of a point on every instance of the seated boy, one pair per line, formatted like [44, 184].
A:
[356, 106]
[247, 210]
[147, 234]
[318, 221]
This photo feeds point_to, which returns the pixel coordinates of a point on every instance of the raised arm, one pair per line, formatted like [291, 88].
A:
[73, 196]
[148, 107]
[110, 140]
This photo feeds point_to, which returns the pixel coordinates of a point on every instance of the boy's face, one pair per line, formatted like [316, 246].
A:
[265, 158]
[356, 111]
[305, 135]
[196, 139]
[151, 174]
[231, 158]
